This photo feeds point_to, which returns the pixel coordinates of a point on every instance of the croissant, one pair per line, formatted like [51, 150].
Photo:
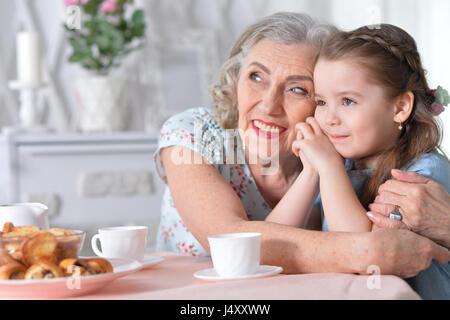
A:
[85, 267]
[98, 265]
[12, 270]
[43, 270]
[72, 266]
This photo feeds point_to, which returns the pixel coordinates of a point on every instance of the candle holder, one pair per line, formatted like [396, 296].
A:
[30, 116]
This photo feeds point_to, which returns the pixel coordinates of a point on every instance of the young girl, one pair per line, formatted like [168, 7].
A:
[374, 109]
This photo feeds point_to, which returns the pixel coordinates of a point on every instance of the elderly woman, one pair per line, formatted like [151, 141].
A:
[227, 169]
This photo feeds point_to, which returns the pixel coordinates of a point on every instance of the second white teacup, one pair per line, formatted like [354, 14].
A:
[235, 254]
[121, 242]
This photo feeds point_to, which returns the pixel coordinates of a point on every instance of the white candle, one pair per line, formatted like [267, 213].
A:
[28, 57]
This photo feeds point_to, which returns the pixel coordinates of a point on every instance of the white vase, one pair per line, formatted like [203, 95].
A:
[103, 103]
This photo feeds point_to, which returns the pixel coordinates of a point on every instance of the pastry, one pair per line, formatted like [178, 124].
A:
[60, 232]
[12, 270]
[98, 265]
[72, 266]
[39, 247]
[43, 270]
[27, 252]
[8, 227]
[21, 231]
[85, 267]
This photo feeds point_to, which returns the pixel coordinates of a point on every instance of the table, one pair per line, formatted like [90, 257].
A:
[173, 280]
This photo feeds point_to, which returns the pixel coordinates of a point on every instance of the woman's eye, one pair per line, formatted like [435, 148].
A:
[321, 103]
[348, 102]
[299, 90]
[255, 76]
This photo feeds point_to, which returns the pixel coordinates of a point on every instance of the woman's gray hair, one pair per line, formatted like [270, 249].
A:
[282, 27]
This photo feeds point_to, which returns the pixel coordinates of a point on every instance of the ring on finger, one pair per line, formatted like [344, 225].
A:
[395, 214]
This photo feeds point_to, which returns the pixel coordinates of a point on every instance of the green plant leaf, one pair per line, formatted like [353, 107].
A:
[138, 31]
[138, 17]
[77, 57]
[117, 41]
[91, 7]
[103, 41]
[77, 45]
[91, 63]
[91, 26]
[106, 27]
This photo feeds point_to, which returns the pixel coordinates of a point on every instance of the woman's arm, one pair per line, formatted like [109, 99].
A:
[208, 205]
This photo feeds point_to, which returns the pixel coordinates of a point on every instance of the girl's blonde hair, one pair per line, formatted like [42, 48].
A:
[282, 27]
[390, 55]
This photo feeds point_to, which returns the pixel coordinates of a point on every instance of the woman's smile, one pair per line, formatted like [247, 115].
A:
[267, 130]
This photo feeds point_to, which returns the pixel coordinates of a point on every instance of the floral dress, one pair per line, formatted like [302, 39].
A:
[197, 130]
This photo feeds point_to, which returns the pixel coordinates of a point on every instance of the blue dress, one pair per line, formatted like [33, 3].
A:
[434, 282]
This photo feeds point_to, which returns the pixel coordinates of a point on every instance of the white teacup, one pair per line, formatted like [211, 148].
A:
[235, 254]
[121, 242]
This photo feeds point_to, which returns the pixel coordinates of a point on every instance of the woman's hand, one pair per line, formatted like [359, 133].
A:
[314, 146]
[402, 252]
[423, 203]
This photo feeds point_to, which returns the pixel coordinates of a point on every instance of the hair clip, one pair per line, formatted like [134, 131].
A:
[441, 100]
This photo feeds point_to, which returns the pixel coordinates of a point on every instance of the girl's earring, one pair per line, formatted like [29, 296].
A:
[400, 127]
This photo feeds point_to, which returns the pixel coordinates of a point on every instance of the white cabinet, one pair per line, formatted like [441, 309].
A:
[87, 180]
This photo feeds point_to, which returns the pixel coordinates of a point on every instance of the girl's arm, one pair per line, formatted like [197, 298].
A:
[341, 206]
[295, 207]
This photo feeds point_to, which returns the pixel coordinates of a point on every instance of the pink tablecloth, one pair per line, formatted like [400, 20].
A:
[173, 280]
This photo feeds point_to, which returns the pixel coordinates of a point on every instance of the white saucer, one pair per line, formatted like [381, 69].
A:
[150, 260]
[264, 271]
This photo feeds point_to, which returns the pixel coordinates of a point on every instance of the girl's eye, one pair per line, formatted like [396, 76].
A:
[254, 76]
[321, 103]
[348, 102]
[299, 90]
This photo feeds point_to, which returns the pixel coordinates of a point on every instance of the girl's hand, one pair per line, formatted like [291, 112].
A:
[313, 145]
[305, 162]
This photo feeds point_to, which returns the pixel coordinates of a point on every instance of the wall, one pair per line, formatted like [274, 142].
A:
[187, 40]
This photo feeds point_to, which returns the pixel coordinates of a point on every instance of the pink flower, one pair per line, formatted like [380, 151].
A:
[437, 108]
[69, 3]
[109, 6]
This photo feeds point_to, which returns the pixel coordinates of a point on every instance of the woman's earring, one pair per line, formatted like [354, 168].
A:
[400, 126]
